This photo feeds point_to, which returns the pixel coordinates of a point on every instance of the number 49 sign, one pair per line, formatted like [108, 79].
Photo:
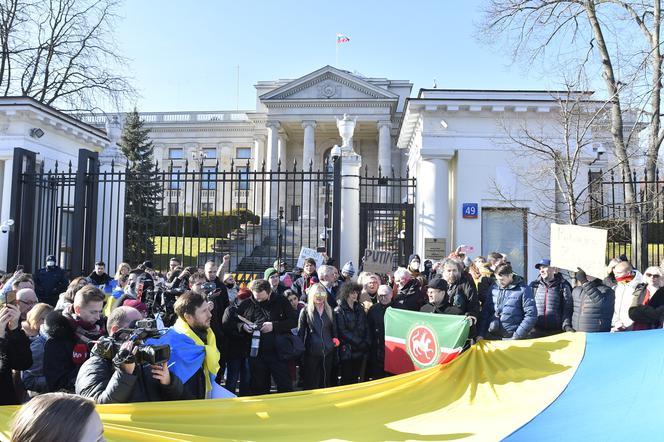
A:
[469, 210]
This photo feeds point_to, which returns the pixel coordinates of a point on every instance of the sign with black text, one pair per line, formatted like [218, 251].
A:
[378, 261]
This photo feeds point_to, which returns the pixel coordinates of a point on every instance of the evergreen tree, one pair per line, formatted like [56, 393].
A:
[142, 190]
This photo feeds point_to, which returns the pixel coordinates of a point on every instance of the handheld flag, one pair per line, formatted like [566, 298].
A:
[414, 340]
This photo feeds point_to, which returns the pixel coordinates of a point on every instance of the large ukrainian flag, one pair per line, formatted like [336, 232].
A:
[567, 387]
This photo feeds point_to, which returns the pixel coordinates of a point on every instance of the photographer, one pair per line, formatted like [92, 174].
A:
[122, 380]
[270, 314]
[14, 352]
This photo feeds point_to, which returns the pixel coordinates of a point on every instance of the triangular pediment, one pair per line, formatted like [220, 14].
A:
[328, 83]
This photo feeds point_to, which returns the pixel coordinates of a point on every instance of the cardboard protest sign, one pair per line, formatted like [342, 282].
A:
[576, 246]
[378, 261]
[305, 253]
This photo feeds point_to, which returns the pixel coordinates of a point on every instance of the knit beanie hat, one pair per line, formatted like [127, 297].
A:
[348, 269]
[269, 272]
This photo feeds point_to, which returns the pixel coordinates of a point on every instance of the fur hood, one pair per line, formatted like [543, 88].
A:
[57, 326]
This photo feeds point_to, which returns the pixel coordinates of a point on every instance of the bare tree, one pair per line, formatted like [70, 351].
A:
[62, 53]
[586, 35]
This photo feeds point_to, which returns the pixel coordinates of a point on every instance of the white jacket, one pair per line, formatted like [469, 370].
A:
[624, 295]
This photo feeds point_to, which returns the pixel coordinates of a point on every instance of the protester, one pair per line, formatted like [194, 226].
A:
[317, 329]
[272, 276]
[70, 338]
[309, 277]
[33, 378]
[370, 283]
[231, 286]
[329, 278]
[495, 259]
[463, 299]
[50, 281]
[194, 354]
[353, 334]
[98, 276]
[66, 299]
[272, 315]
[55, 417]
[647, 309]
[511, 312]
[414, 264]
[26, 299]
[237, 348]
[627, 278]
[120, 379]
[409, 296]
[553, 298]
[294, 301]
[593, 305]
[376, 329]
[439, 300]
[14, 352]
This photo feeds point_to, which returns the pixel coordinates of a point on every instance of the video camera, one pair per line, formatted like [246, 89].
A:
[109, 347]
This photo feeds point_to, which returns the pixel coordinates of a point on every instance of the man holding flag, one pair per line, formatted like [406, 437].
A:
[194, 355]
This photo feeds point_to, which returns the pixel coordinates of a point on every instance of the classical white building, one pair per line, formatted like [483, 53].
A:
[452, 141]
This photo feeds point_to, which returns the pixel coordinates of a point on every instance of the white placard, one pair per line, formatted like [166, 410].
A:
[378, 261]
[576, 246]
[309, 253]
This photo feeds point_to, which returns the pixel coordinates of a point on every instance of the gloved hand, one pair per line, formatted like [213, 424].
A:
[581, 276]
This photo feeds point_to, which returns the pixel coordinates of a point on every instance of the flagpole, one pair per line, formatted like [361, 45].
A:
[336, 60]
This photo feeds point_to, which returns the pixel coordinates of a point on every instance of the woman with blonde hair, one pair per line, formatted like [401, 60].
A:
[33, 378]
[67, 298]
[49, 418]
[123, 269]
[318, 330]
[35, 318]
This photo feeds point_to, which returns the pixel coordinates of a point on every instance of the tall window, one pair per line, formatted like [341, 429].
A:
[209, 179]
[175, 153]
[210, 152]
[175, 183]
[207, 207]
[243, 153]
[243, 177]
[504, 231]
[172, 209]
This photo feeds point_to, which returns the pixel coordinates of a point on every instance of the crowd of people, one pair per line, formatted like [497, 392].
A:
[112, 340]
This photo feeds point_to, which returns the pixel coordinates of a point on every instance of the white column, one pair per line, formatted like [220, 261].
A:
[271, 205]
[433, 212]
[4, 211]
[350, 209]
[259, 152]
[272, 145]
[308, 152]
[385, 148]
[283, 151]
[110, 209]
[257, 185]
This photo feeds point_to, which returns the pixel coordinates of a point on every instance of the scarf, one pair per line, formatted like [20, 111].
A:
[85, 331]
[207, 352]
[625, 279]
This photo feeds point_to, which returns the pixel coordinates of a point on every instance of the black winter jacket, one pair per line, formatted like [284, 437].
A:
[99, 380]
[553, 300]
[49, 283]
[409, 297]
[238, 342]
[14, 355]
[650, 315]
[593, 307]
[276, 310]
[302, 283]
[317, 335]
[98, 280]
[63, 354]
[352, 329]
[376, 326]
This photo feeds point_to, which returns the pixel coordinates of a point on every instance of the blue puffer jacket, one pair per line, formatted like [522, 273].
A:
[511, 308]
[554, 302]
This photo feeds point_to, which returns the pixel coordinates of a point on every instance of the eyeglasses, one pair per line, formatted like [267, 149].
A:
[653, 275]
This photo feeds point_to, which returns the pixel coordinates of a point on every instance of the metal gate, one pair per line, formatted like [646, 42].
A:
[386, 215]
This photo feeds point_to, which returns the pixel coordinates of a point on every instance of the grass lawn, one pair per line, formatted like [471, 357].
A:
[165, 247]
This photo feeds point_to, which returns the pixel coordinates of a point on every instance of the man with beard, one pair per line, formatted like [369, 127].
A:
[194, 355]
[461, 292]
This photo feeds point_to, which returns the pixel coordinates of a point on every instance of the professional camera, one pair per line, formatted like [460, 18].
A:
[109, 347]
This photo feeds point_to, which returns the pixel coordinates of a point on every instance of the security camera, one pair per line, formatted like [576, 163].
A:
[4, 228]
[599, 148]
[7, 226]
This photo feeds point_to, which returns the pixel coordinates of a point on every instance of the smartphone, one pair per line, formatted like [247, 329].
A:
[321, 249]
[11, 298]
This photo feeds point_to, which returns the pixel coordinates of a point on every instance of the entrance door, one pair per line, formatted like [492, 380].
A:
[504, 230]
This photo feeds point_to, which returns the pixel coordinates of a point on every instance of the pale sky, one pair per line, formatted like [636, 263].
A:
[184, 53]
